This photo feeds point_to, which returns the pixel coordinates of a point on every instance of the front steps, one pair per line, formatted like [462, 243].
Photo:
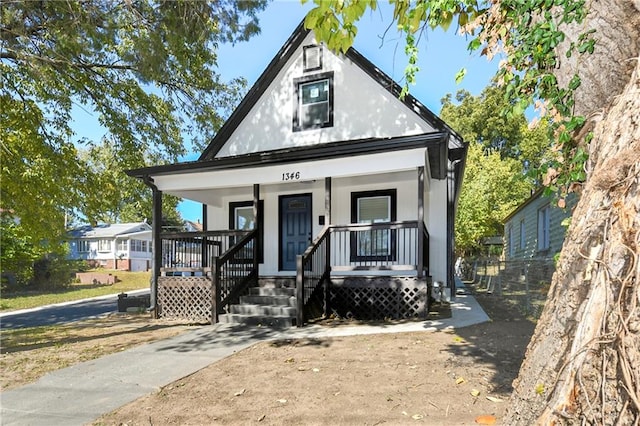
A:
[271, 304]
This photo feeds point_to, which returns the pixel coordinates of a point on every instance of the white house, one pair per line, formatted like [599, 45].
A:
[123, 246]
[324, 176]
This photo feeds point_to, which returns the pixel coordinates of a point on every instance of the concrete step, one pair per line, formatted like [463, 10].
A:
[277, 282]
[267, 321]
[268, 300]
[263, 310]
[272, 291]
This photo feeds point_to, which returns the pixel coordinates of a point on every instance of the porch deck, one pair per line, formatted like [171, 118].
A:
[365, 271]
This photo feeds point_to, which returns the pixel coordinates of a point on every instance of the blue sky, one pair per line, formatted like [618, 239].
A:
[442, 55]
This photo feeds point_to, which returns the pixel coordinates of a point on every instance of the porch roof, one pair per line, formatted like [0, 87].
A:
[436, 144]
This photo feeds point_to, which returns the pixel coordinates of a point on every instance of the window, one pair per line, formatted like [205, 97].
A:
[512, 242]
[104, 245]
[543, 228]
[140, 245]
[523, 236]
[373, 207]
[241, 217]
[313, 102]
[123, 245]
[84, 246]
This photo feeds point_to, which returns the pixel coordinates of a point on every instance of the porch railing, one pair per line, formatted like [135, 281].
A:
[195, 250]
[358, 247]
[313, 271]
[227, 261]
[377, 246]
[233, 272]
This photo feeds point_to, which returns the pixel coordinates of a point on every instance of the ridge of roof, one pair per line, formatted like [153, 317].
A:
[276, 65]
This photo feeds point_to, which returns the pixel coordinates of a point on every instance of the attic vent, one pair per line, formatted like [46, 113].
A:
[312, 57]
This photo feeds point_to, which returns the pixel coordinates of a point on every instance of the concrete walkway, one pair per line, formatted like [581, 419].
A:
[79, 394]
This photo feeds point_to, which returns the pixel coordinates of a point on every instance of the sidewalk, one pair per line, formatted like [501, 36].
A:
[79, 394]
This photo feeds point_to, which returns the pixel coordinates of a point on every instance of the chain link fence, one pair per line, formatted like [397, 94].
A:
[522, 284]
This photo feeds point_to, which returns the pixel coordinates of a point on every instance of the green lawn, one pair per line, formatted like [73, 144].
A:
[127, 281]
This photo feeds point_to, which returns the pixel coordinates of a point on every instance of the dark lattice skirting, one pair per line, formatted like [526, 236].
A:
[185, 298]
[377, 298]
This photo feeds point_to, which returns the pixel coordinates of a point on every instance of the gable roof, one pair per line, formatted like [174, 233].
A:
[109, 230]
[276, 65]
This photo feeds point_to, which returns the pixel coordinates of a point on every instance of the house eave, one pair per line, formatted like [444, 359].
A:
[436, 141]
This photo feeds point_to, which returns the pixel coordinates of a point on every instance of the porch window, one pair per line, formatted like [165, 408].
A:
[523, 236]
[544, 222]
[241, 217]
[313, 99]
[104, 245]
[512, 242]
[123, 245]
[373, 207]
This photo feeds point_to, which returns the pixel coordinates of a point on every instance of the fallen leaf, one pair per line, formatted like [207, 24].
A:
[459, 381]
[459, 339]
[540, 388]
[404, 413]
[486, 420]
[240, 392]
[262, 417]
[475, 392]
[290, 359]
[282, 401]
[494, 399]
[302, 368]
[316, 370]
[417, 416]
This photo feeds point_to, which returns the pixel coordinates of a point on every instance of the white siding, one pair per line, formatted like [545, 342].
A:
[361, 108]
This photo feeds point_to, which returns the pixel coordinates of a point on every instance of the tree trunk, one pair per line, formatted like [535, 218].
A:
[583, 362]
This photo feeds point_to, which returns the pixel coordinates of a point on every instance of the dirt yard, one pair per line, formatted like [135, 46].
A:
[443, 378]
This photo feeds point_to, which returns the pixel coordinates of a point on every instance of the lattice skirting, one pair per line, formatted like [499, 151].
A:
[371, 298]
[186, 298]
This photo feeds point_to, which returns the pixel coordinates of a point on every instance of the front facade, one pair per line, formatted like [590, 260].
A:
[327, 178]
[122, 246]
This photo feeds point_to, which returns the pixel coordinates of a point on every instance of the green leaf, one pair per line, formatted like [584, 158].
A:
[460, 75]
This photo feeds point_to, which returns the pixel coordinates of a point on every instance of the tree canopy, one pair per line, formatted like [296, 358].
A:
[146, 69]
[502, 162]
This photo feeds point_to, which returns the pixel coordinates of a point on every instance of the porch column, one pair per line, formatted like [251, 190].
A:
[156, 228]
[204, 259]
[256, 213]
[420, 237]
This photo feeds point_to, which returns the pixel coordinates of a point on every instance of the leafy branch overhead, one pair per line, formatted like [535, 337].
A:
[526, 35]
[146, 70]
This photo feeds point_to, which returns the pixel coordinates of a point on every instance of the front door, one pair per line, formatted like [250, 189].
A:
[295, 228]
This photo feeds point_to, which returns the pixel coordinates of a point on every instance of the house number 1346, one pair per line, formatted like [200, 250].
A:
[291, 176]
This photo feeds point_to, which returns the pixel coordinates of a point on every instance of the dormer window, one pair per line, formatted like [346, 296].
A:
[313, 102]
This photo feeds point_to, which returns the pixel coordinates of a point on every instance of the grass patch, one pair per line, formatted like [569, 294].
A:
[127, 281]
[26, 354]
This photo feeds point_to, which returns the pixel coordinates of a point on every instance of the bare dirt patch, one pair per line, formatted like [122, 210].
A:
[28, 354]
[443, 377]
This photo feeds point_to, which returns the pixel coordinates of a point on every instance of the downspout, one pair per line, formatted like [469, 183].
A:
[156, 251]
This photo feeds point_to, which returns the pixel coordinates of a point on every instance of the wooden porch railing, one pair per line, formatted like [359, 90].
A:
[233, 272]
[359, 247]
[226, 259]
[196, 249]
[312, 271]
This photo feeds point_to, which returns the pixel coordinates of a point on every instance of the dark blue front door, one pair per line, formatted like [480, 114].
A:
[295, 228]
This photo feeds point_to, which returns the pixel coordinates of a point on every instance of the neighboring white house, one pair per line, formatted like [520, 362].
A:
[322, 151]
[123, 246]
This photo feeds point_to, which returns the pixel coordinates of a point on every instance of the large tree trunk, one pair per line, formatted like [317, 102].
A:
[583, 362]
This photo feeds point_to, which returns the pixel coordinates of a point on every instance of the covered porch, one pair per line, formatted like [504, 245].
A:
[358, 235]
